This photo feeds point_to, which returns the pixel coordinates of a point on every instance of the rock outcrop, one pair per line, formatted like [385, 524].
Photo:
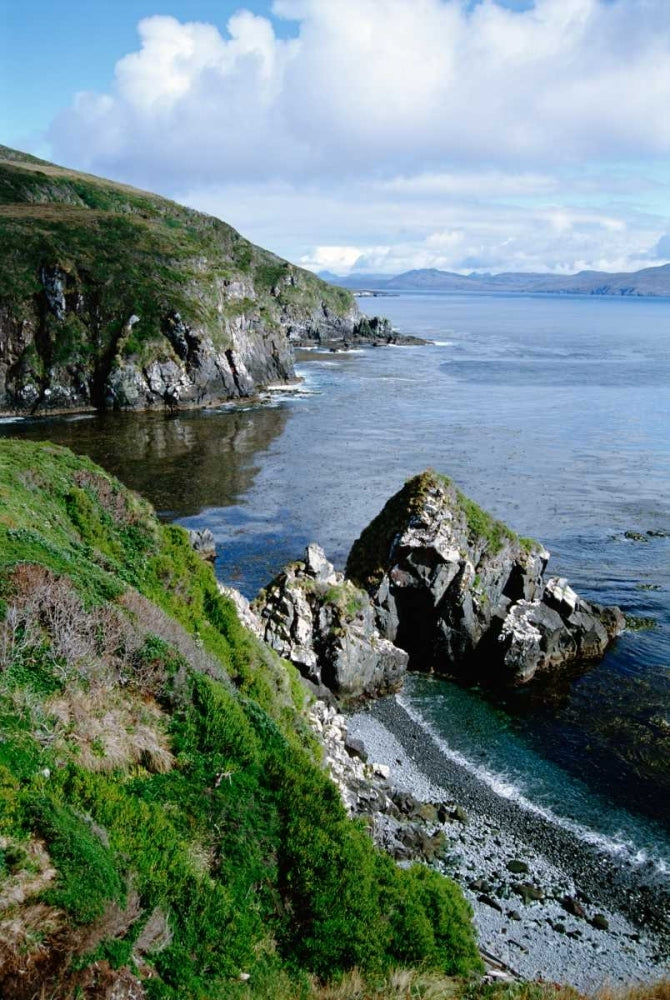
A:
[203, 542]
[464, 595]
[326, 626]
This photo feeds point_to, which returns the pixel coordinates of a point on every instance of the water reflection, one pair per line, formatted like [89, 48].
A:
[181, 464]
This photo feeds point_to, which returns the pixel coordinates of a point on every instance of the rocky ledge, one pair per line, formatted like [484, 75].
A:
[369, 331]
[464, 595]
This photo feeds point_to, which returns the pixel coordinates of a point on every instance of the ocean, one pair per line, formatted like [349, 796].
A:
[551, 412]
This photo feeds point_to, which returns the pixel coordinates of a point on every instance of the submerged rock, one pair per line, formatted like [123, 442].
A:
[326, 626]
[463, 594]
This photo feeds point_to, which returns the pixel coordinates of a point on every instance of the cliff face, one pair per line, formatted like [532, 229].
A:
[114, 298]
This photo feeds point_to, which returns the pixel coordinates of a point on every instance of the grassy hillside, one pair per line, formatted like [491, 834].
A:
[82, 255]
[147, 251]
[164, 819]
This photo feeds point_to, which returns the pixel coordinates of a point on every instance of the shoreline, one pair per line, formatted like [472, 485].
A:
[619, 928]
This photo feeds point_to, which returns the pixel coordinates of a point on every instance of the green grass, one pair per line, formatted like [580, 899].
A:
[241, 840]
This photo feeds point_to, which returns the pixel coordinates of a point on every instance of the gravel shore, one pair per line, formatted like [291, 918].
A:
[547, 904]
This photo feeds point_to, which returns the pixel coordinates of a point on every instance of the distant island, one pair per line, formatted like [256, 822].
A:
[648, 281]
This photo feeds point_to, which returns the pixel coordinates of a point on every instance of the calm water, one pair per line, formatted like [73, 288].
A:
[555, 415]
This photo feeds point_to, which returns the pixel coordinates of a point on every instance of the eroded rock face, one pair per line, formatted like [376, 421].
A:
[56, 357]
[464, 595]
[326, 626]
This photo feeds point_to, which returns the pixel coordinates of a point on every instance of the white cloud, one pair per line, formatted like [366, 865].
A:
[338, 259]
[382, 83]
[364, 226]
[408, 123]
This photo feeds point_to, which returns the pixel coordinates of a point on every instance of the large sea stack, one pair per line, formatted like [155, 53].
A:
[464, 595]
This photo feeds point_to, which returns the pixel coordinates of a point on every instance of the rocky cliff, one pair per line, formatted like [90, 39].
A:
[464, 595]
[115, 298]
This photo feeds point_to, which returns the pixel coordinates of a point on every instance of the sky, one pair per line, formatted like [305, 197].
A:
[366, 135]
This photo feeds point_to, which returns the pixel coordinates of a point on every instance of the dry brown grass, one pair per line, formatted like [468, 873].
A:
[27, 927]
[150, 619]
[107, 720]
[402, 984]
[410, 984]
[109, 730]
[650, 991]
[32, 877]
[52, 212]
[81, 641]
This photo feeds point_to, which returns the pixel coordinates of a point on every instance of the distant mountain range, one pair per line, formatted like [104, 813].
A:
[648, 281]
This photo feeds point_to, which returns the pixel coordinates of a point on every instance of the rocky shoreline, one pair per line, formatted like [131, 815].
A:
[547, 905]
[435, 582]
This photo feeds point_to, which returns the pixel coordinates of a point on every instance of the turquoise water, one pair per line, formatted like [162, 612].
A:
[553, 413]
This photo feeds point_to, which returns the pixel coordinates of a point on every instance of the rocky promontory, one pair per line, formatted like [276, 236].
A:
[114, 298]
[326, 626]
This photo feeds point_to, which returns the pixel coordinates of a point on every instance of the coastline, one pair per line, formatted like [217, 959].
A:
[619, 931]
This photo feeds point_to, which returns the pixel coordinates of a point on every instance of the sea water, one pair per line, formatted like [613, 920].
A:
[554, 414]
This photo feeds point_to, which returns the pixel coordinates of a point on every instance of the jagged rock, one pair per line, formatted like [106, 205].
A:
[317, 566]
[326, 626]
[356, 748]
[202, 541]
[462, 593]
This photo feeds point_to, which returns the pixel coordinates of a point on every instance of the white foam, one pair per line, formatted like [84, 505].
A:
[508, 789]
[443, 343]
[11, 420]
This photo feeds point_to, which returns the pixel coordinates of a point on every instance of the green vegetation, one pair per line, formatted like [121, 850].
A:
[121, 252]
[163, 810]
[370, 554]
[346, 597]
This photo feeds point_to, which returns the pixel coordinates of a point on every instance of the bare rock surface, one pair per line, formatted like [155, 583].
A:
[326, 626]
[465, 595]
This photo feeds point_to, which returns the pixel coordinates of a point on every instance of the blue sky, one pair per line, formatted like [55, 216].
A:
[49, 50]
[366, 134]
